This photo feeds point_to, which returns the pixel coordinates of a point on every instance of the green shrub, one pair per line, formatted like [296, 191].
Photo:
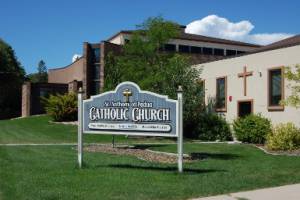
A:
[252, 129]
[62, 107]
[284, 137]
[212, 127]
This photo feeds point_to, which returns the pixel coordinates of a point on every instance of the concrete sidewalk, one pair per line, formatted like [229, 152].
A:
[288, 192]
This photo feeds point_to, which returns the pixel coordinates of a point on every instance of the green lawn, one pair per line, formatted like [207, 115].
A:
[50, 172]
[38, 129]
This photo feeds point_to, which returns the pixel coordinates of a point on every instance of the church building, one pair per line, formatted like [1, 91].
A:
[89, 70]
[239, 78]
[253, 82]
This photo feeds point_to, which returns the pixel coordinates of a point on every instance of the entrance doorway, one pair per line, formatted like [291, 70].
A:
[245, 107]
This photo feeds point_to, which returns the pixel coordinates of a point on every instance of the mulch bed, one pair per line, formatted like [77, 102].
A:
[143, 154]
[285, 153]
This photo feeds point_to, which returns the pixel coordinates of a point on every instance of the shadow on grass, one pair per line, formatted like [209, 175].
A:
[194, 155]
[220, 156]
[164, 169]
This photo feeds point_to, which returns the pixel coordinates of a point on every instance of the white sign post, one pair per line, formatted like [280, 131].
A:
[80, 132]
[131, 111]
[180, 129]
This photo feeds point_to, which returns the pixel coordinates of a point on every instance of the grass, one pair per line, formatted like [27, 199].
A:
[38, 129]
[50, 172]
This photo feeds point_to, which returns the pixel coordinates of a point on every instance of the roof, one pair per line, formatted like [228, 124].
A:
[80, 58]
[194, 37]
[288, 42]
[188, 36]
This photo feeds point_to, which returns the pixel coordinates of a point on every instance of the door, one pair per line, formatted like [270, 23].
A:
[245, 107]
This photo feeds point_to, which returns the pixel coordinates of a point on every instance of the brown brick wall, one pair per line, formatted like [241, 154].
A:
[32, 93]
[67, 74]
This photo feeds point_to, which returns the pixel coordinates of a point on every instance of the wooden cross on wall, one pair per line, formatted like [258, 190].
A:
[244, 75]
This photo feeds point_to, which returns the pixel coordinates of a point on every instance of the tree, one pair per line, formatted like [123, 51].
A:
[42, 71]
[143, 62]
[41, 76]
[11, 78]
[294, 77]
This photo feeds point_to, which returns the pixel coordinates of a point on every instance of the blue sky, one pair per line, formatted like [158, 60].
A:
[55, 30]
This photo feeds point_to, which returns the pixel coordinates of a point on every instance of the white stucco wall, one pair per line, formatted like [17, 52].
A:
[117, 40]
[257, 84]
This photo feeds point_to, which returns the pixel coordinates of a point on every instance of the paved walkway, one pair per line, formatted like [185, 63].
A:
[288, 192]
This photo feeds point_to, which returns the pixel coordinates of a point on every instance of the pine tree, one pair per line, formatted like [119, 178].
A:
[42, 72]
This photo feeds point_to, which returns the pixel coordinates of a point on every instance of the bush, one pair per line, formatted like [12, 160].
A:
[62, 107]
[252, 129]
[212, 127]
[284, 137]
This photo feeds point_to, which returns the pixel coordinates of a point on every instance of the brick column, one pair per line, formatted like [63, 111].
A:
[85, 80]
[73, 86]
[26, 96]
[102, 63]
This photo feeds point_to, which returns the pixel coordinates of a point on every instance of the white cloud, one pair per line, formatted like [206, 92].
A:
[219, 27]
[75, 57]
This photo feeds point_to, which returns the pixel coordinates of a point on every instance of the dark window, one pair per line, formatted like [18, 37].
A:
[221, 94]
[126, 41]
[44, 92]
[96, 71]
[240, 52]
[230, 52]
[184, 49]
[170, 47]
[196, 49]
[96, 55]
[207, 51]
[244, 108]
[275, 87]
[219, 52]
[95, 87]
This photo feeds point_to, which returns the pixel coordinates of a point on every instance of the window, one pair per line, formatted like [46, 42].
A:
[96, 55]
[96, 71]
[240, 52]
[230, 52]
[196, 49]
[207, 51]
[127, 41]
[184, 49]
[44, 92]
[276, 89]
[221, 94]
[219, 52]
[170, 47]
[95, 87]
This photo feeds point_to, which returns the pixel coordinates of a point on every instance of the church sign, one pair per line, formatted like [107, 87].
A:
[128, 110]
